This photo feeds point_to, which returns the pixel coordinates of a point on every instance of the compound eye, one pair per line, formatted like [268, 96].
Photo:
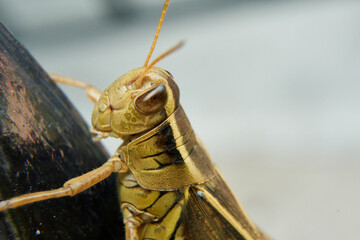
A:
[152, 101]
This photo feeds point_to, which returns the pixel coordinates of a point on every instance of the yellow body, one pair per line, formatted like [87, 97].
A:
[171, 179]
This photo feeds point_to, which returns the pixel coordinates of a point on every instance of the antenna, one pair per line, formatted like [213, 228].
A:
[163, 13]
[174, 48]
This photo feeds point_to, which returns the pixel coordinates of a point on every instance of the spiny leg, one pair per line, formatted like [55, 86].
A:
[92, 92]
[71, 187]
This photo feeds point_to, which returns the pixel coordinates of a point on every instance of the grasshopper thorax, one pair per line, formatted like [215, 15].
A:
[136, 102]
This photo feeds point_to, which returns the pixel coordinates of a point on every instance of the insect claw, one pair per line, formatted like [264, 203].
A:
[98, 135]
[4, 205]
[96, 139]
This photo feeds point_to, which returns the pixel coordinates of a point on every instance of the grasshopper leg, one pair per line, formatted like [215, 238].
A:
[71, 187]
[92, 92]
[131, 224]
[135, 218]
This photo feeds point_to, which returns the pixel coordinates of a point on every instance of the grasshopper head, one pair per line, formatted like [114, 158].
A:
[135, 103]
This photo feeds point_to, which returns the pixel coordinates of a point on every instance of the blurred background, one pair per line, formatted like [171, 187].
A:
[271, 87]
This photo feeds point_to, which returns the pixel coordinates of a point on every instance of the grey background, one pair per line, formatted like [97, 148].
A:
[271, 87]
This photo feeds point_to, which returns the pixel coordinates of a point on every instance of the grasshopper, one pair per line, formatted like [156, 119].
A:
[168, 186]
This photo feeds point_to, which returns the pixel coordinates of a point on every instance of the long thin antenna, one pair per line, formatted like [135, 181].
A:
[166, 4]
[174, 48]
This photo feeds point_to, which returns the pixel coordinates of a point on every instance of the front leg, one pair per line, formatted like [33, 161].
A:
[70, 188]
[92, 92]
